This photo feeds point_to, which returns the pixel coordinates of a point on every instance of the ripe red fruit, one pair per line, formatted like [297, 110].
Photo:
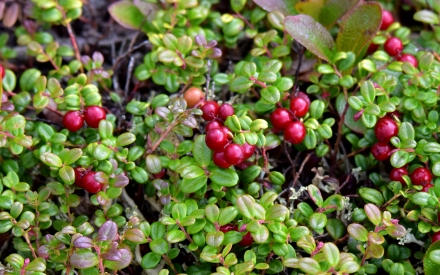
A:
[219, 159]
[210, 110]
[216, 139]
[408, 58]
[421, 176]
[280, 118]
[93, 115]
[385, 129]
[90, 184]
[160, 174]
[213, 125]
[79, 173]
[248, 150]
[234, 154]
[299, 106]
[225, 110]
[393, 46]
[387, 20]
[426, 187]
[372, 48]
[436, 237]
[304, 96]
[227, 227]
[2, 71]
[227, 132]
[244, 164]
[73, 121]
[397, 173]
[193, 96]
[295, 132]
[380, 150]
[247, 240]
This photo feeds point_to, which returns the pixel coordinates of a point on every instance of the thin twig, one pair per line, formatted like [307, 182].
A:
[301, 168]
[341, 186]
[129, 71]
[338, 139]
[129, 52]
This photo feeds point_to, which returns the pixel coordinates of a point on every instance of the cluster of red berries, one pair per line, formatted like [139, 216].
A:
[247, 238]
[385, 129]
[219, 137]
[420, 176]
[86, 179]
[283, 119]
[74, 120]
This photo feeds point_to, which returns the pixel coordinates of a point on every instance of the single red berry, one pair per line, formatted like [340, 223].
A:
[79, 173]
[380, 150]
[372, 48]
[226, 228]
[93, 115]
[397, 173]
[420, 176]
[219, 159]
[248, 150]
[299, 106]
[225, 110]
[234, 154]
[73, 121]
[2, 71]
[90, 184]
[160, 174]
[387, 20]
[216, 140]
[408, 58]
[247, 240]
[393, 46]
[436, 237]
[213, 125]
[426, 187]
[280, 118]
[210, 110]
[227, 132]
[385, 129]
[244, 164]
[304, 96]
[295, 132]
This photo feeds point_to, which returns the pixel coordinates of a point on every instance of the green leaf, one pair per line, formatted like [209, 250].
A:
[287, 7]
[331, 253]
[326, 12]
[311, 35]
[192, 185]
[246, 206]
[358, 232]
[359, 27]
[371, 195]
[202, 154]
[426, 16]
[126, 14]
[224, 177]
[28, 79]
[150, 260]
[315, 194]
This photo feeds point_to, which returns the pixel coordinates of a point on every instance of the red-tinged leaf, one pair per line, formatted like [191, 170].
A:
[111, 255]
[311, 35]
[376, 238]
[375, 251]
[108, 231]
[7, 106]
[284, 6]
[121, 263]
[120, 181]
[83, 242]
[83, 259]
[396, 231]
[373, 213]
[326, 12]
[126, 14]
[359, 27]
[358, 232]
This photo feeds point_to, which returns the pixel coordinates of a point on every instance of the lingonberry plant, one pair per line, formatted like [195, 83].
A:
[219, 137]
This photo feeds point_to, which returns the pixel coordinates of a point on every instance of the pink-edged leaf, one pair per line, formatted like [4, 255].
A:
[121, 263]
[126, 14]
[311, 35]
[120, 181]
[287, 7]
[111, 255]
[373, 213]
[108, 230]
[326, 12]
[396, 231]
[83, 242]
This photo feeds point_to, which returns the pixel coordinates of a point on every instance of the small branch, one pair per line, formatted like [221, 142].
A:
[338, 139]
[342, 240]
[354, 153]
[245, 20]
[72, 38]
[345, 182]
[170, 264]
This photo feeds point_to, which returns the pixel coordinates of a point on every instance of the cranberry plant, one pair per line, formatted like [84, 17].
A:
[241, 137]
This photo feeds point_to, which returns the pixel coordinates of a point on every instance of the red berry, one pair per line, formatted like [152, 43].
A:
[280, 118]
[385, 129]
[79, 173]
[299, 106]
[2, 71]
[426, 187]
[393, 46]
[219, 159]
[226, 228]
[295, 132]
[93, 115]
[408, 58]
[420, 176]
[73, 121]
[210, 110]
[397, 173]
[248, 150]
[380, 150]
[304, 96]
[244, 164]
[160, 174]
[247, 240]
[225, 110]
[234, 154]
[436, 237]
[227, 132]
[372, 48]
[387, 20]
[216, 139]
[213, 125]
[90, 184]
